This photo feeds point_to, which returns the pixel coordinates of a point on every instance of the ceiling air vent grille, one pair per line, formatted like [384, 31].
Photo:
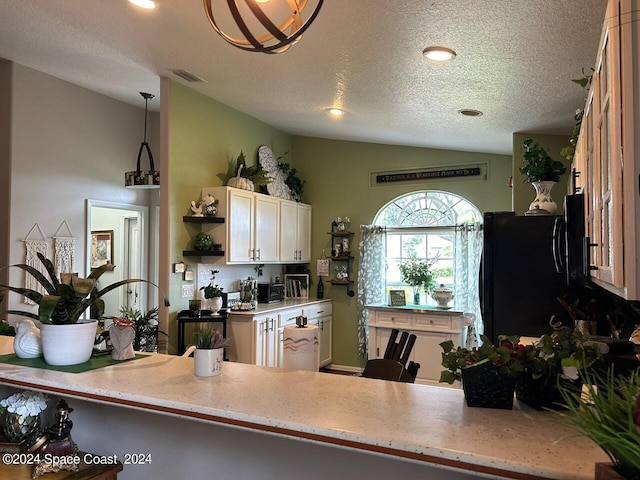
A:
[188, 76]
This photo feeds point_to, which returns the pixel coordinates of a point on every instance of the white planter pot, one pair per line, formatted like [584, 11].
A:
[68, 344]
[208, 361]
[543, 198]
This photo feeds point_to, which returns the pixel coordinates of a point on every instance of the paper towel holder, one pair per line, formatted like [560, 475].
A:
[301, 321]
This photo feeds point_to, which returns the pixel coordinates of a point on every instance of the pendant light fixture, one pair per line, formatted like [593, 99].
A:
[143, 178]
[266, 26]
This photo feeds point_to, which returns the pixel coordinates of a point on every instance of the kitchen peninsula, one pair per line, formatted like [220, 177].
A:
[259, 422]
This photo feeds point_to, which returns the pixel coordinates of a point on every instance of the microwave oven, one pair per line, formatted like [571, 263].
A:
[270, 292]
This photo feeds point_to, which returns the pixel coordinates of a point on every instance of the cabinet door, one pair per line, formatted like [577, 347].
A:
[428, 353]
[288, 236]
[265, 341]
[240, 230]
[325, 325]
[303, 232]
[267, 219]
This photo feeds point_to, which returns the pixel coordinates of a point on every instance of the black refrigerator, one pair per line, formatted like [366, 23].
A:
[519, 283]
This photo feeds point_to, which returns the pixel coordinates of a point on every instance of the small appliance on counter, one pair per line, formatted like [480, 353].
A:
[270, 292]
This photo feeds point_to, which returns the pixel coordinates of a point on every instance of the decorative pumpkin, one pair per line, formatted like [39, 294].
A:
[241, 182]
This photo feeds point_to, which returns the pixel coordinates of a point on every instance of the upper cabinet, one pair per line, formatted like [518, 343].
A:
[608, 153]
[295, 232]
[257, 226]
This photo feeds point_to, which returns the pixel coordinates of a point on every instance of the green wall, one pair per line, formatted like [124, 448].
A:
[337, 175]
[203, 136]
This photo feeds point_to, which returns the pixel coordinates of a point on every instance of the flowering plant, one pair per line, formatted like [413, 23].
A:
[609, 414]
[418, 273]
[211, 291]
[510, 357]
[25, 404]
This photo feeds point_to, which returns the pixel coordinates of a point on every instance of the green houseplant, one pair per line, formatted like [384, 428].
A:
[65, 301]
[558, 357]
[209, 352]
[212, 294]
[145, 325]
[538, 166]
[609, 414]
[417, 273]
[488, 372]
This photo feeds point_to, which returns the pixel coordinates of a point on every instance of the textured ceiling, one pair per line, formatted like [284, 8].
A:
[515, 62]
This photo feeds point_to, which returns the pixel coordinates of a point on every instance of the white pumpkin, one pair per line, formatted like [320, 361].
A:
[241, 182]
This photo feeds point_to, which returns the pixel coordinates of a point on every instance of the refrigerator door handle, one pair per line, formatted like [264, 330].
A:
[558, 233]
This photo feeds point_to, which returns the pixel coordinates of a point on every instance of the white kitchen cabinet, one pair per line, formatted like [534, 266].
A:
[260, 228]
[321, 314]
[608, 154]
[431, 327]
[258, 334]
[295, 232]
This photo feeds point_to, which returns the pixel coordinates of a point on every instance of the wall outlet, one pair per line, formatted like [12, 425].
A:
[187, 291]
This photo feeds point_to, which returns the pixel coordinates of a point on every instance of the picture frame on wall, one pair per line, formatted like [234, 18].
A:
[101, 248]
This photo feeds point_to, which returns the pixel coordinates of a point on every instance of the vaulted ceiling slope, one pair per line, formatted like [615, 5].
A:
[515, 61]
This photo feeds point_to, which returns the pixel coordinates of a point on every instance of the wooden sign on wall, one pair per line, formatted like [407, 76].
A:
[427, 174]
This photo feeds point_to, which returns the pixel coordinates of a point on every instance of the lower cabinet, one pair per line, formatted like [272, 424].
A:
[258, 336]
[430, 327]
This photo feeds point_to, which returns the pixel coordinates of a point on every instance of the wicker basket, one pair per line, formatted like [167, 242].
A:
[484, 387]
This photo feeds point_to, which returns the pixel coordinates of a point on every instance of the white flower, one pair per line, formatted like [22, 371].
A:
[25, 404]
[569, 372]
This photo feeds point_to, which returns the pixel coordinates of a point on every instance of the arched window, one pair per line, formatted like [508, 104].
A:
[423, 225]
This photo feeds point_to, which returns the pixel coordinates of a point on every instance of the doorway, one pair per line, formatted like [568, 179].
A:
[129, 227]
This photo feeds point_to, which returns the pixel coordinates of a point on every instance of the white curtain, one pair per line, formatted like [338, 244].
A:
[468, 253]
[371, 278]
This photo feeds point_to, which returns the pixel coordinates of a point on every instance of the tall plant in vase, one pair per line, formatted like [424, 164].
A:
[543, 172]
[213, 293]
[417, 273]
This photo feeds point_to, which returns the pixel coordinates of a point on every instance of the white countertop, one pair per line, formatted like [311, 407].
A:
[417, 422]
[286, 303]
[409, 308]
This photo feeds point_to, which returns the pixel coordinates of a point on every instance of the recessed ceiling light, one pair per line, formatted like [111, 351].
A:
[148, 4]
[335, 112]
[438, 54]
[468, 112]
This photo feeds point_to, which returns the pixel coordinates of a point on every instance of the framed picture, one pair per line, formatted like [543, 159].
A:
[101, 247]
[397, 298]
[296, 286]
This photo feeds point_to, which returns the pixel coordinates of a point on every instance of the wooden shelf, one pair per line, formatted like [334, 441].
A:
[342, 258]
[191, 219]
[203, 253]
[340, 234]
[341, 282]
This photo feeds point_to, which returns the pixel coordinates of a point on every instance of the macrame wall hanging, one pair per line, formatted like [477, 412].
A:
[64, 250]
[33, 247]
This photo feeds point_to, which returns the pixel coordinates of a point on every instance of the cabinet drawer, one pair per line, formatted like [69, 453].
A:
[433, 322]
[392, 319]
[288, 317]
[318, 310]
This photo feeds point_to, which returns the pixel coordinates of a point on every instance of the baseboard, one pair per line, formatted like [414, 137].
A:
[343, 368]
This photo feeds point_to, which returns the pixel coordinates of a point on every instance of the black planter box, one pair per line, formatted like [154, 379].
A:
[484, 387]
[542, 393]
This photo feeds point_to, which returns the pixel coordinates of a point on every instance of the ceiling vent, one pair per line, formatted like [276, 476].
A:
[188, 76]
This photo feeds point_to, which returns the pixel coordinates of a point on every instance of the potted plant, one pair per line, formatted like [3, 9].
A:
[214, 293]
[488, 373]
[66, 339]
[239, 175]
[556, 358]
[417, 273]
[146, 329]
[543, 173]
[607, 410]
[209, 353]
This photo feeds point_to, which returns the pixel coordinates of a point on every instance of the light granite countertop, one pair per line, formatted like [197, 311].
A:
[416, 422]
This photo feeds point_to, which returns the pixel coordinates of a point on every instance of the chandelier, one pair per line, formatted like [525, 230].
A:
[267, 26]
[143, 178]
